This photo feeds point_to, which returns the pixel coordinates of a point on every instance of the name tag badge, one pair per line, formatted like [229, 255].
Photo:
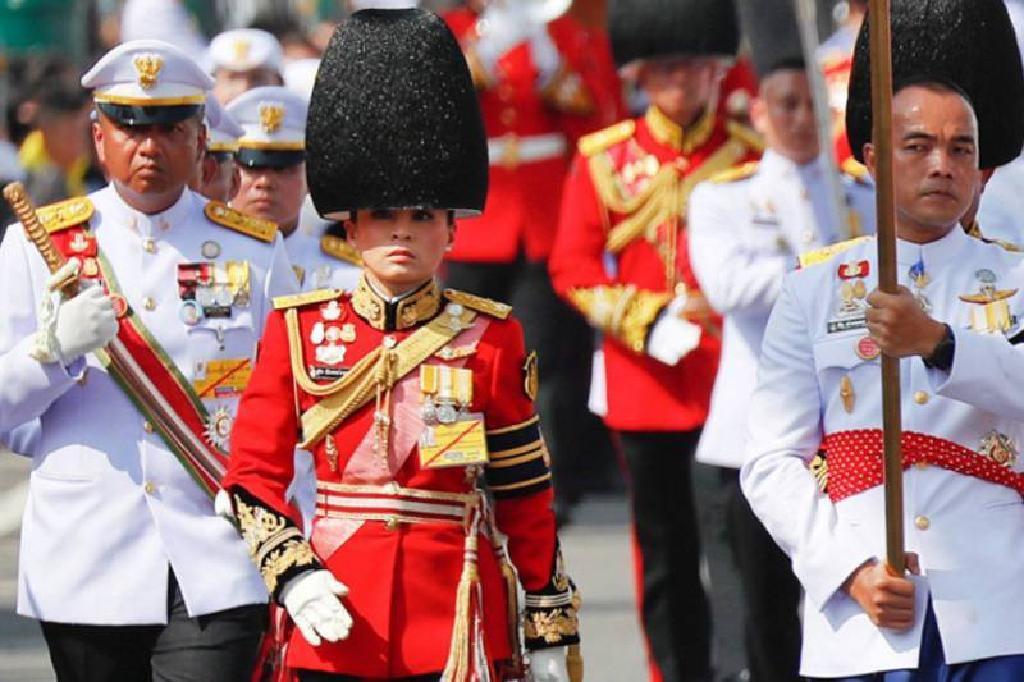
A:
[461, 443]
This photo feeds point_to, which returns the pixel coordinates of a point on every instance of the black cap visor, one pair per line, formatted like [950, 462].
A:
[131, 115]
[269, 158]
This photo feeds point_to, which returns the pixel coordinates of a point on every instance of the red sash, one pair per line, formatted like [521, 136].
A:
[146, 373]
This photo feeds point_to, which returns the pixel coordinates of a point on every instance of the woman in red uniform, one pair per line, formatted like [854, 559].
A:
[416, 403]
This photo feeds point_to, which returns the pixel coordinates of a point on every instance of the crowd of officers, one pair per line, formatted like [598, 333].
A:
[656, 271]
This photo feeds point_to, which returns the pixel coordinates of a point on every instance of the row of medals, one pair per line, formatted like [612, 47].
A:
[329, 338]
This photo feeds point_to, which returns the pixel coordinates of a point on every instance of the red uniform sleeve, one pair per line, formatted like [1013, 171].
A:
[520, 480]
[578, 269]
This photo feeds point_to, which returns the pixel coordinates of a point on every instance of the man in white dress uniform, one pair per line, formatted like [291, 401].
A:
[122, 559]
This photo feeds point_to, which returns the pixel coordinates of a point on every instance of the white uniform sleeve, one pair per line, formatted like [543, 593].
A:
[27, 387]
[785, 432]
[732, 275]
[987, 373]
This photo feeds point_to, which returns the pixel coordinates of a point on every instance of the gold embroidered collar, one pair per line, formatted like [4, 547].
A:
[402, 312]
[669, 133]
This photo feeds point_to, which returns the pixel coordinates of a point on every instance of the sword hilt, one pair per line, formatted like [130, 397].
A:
[25, 211]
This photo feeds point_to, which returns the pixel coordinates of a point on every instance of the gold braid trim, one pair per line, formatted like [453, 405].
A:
[664, 198]
[622, 311]
[275, 545]
[362, 382]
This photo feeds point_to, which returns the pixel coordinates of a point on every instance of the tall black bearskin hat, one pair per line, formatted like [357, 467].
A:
[771, 28]
[647, 29]
[393, 119]
[966, 43]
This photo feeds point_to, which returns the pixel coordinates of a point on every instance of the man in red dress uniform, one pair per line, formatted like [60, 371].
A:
[543, 80]
[621, 259]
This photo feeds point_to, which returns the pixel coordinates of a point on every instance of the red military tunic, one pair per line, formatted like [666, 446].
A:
[621, 255]
[402, 566]
[531, 133]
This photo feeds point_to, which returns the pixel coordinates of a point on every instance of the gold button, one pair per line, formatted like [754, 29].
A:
[508, 116]
[149, 488]
[921, 465]
[147, 427]
[148, 303]
[391, 523]
[922, 522]
[149, 245]
[920, 397]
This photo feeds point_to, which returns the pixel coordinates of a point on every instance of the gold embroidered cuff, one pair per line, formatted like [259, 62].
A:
[621, 311]
[276, 545]
[551, 627]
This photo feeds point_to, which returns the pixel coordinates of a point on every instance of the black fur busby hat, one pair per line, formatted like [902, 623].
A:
[966, 43]
[393, 119]
[647, 29]
[771, 28]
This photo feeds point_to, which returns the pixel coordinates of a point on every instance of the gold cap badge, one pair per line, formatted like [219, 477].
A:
[241, 48]
[148, 67]
[271, 117]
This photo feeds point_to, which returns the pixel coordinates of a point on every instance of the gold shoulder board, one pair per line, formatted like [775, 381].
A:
[65, 214]
[225, 216]
[857, 171]
[595, 143]
[747, 136]
[305, 298]
[736, 173]
[1005, 245]
[339, 248]
[479, 303]
[825, 254]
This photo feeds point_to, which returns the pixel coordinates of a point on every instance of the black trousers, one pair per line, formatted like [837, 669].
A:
[674, 607]
[580, 447]
[219, 647]
[771, 593]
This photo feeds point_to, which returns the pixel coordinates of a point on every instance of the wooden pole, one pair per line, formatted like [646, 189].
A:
[881, 135]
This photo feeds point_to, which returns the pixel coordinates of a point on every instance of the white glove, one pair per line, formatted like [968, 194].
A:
[502, 26]
[548, 665]
[672, 337]
[85, 323]
[312, 600]
[544, 53]
[222, 506]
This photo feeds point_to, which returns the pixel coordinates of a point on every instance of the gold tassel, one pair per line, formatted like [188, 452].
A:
[457, 669]
[574, 662]
[512, 591]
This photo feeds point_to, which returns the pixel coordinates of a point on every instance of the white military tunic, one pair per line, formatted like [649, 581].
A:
[317, 268]
[110, 508]
[744, 236]
[812, 382]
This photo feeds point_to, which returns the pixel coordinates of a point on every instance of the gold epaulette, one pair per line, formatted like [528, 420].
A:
[65, 214]
[305, 298]
[747, 136]
[1004, 245]
[824, 254]
[339, 248]
[856, 170]
[233, 219]
[735, 173]
[479, 303]
[595, 143]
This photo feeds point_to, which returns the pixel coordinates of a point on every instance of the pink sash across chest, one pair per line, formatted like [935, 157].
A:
[366, 467]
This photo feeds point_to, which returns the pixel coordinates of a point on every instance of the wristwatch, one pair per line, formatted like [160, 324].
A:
[941, 356]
